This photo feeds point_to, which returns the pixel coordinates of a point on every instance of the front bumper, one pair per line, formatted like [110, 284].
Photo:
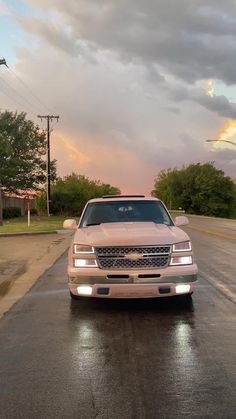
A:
[132, 290]
[135, 284]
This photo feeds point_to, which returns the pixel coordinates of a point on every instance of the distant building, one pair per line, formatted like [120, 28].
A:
[20, 201]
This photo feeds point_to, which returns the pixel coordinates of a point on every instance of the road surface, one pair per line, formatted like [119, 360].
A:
[215, 250]
[123, 359]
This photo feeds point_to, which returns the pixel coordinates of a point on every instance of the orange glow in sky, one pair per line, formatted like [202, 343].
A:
[210, 90]
[228, 131]
[99, 162]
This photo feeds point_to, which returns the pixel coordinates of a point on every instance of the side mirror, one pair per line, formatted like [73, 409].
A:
[181, 221]
[70, 224]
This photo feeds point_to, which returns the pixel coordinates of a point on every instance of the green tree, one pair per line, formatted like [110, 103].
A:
[22, 155]
[197, 188]
[41, 203]
[70, 194]
[233, 204]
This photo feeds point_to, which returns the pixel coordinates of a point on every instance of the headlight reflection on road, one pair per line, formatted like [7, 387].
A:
[186, 362]
[86, 335]
[85, 352]
[183, 335]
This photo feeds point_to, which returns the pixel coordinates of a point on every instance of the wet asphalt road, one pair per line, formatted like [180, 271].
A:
[120, 359]
[218, 263]
[220, 225]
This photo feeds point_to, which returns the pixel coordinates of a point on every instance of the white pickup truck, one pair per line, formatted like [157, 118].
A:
[128, 246]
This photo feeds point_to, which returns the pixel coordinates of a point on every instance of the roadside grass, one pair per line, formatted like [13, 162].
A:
[37, 224]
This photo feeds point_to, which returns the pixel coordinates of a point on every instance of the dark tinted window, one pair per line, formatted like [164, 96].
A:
[125, 211]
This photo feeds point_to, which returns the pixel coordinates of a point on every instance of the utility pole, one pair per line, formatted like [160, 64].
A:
[49, 119]
[2, 62]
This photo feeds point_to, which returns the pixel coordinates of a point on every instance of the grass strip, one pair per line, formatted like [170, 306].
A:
[37, 224]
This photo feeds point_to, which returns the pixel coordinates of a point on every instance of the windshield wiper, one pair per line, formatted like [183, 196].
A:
[92, 224]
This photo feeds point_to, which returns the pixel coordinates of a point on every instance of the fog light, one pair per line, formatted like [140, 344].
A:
[84, 290]
[181, 260]
[182, 289]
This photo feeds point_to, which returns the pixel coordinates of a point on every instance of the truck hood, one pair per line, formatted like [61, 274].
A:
[129, 234]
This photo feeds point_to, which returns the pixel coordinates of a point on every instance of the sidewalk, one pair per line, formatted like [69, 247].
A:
[23, 259]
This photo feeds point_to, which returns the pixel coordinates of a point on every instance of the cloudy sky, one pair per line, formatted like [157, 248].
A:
[139, 84]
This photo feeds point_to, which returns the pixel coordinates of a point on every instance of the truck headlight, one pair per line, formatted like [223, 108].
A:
[182, 247]
[85, 263]
[83, 248]
[181, 260]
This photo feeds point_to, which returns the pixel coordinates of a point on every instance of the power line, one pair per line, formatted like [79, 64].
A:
[49, 119]
[14, 91]
[33, 95]
[15, 100]
[38, 104]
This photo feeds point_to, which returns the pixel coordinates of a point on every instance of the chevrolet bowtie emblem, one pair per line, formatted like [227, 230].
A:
[133, 256]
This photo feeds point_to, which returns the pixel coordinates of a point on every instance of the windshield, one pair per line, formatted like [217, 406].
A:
[125, 211]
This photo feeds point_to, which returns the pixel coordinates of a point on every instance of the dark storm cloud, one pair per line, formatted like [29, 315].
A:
[189, 39]
[217, 104]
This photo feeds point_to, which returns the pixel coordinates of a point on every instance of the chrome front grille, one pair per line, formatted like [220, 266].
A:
[151, 257]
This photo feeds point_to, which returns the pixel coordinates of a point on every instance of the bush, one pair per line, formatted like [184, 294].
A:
[70, 194]
[11, 212]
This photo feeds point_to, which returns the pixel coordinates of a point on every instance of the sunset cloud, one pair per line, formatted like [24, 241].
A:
[68, 149]
[102, 160]
[131, 80]
[228, 132]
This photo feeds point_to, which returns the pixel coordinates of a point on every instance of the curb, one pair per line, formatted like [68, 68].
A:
[36, 233]
[26, 234]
